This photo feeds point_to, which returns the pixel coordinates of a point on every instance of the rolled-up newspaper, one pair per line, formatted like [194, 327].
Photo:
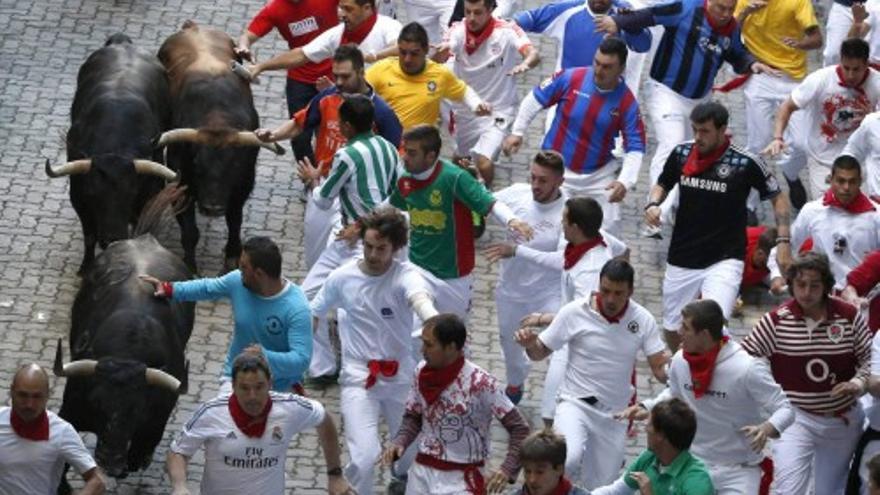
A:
[242, 72]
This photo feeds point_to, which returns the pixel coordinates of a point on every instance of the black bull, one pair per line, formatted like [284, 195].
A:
[212, 144]
[127, 348]
[122, 104]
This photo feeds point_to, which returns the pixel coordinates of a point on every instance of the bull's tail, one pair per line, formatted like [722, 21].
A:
[172, 197]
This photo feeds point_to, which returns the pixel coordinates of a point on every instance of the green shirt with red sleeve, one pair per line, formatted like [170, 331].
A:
[685, 475]
[441, 225]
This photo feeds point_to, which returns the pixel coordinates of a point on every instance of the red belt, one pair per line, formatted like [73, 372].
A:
[472, 475]
[387, 368]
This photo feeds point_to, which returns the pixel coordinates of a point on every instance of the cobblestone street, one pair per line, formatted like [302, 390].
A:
[43, 44]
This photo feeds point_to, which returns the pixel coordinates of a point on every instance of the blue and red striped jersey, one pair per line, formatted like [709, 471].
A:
[588, 119]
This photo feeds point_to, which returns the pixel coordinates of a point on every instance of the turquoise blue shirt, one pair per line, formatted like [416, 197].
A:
[281, 324]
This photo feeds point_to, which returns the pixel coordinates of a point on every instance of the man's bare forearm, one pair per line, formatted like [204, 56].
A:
[782, 213]
[328, 438]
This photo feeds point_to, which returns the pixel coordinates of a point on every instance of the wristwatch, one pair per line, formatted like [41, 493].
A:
[651, 205]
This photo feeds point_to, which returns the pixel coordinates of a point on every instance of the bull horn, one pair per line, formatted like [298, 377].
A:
[184, 135]
[70, 168]
[155, 168]
[159, 378]
[247, 138]
[82, 367]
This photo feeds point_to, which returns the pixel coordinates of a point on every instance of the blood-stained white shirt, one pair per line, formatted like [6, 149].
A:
[34, 468]
[455, 427]
[235, 463]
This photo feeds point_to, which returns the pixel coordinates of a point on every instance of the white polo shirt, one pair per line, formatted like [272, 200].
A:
[35, 468]
[235, 463]
[601, 355]
[844, 237]
[378, 317]
[486, 70]
[383, 35]
[864, 145]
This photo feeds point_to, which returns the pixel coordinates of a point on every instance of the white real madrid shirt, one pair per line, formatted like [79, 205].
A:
[34, 468]
[235, 463]
[601, 355]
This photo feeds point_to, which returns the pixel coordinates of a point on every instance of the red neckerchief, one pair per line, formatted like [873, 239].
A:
[358, 34]
[609, 318]
[861, 203]
[407, 185]
[387, 368]
[574, 252]
[562, 488]
[433, 381]
[36, 430]
[702, 366]
[250, 426]
[725, 30]
[697, 164]
[472, 40]
[858, 87]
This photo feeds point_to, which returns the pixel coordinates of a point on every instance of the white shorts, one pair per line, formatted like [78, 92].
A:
[735, 479]
[719, 282]
[593, 186]
[481, 135]
[595, 442]
[423, 480]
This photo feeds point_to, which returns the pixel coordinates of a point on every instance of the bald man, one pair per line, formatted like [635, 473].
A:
[35, 443]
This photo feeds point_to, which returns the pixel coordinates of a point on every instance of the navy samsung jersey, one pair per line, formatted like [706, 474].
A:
[572, 23]
[691, 51]
[588, 119]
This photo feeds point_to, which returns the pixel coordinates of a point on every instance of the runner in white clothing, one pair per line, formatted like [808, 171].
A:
[246, 436]
[36, 444]
[605, 332]
[487, 53]
[864, 146]
[379, 295]
[737, 402]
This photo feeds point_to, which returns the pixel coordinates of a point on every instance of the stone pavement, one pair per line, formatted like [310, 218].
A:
[44, 44]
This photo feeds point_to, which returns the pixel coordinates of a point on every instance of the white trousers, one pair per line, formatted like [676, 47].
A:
[432, 15]
[361, 410]
[510, 313]
[450, 296]
[735, 479]
[552, 382]
[594, 442]
[840, 19]
[764, 93]
[318, 224]
[593, 186]
[423, 480]
[816, 449]
[719, 282]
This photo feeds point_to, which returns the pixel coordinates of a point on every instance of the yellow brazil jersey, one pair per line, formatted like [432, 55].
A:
[764, 29]
[415, 98]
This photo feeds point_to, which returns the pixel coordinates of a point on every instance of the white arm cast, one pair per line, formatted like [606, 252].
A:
[528, 109]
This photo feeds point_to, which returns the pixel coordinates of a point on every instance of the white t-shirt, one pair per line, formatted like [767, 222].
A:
[864, 145]
[601, 355]
[871, 403]
[456, 426]
[383, 35]
[844, 237]
[378, 318]
[34, 468]
[521, 279]
[235, 463]
[486, 70]
[833, 111]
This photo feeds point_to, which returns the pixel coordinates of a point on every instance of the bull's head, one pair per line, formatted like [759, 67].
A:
[120, 396]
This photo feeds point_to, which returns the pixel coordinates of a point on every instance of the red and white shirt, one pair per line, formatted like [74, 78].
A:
[33, 467]
[809, 358]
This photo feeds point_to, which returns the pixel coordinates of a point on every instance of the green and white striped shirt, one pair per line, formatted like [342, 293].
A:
[362, 176]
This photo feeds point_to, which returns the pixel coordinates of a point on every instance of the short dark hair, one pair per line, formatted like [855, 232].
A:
[361, 3]
[811, 260]
[613, 45]
[710, 110]
[250, 361]
[846, 162]
[855, 48]
[543, 446]
[874, 470]
[489, 4]
[349, 52]
[705, 314]
[676, 421]
[358, 111]
[388, 222]
[586, 214]
[448, 328]
[618, 270]
[426, 135]
[767, 240]
[263, 254]
[551, 159]
[414, 33]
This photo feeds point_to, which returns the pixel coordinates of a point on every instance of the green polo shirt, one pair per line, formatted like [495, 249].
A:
[686, 475]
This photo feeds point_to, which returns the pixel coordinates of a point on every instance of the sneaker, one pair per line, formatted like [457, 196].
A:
[514, 393]
[652, 232]
[397, 486]
[797, 193]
